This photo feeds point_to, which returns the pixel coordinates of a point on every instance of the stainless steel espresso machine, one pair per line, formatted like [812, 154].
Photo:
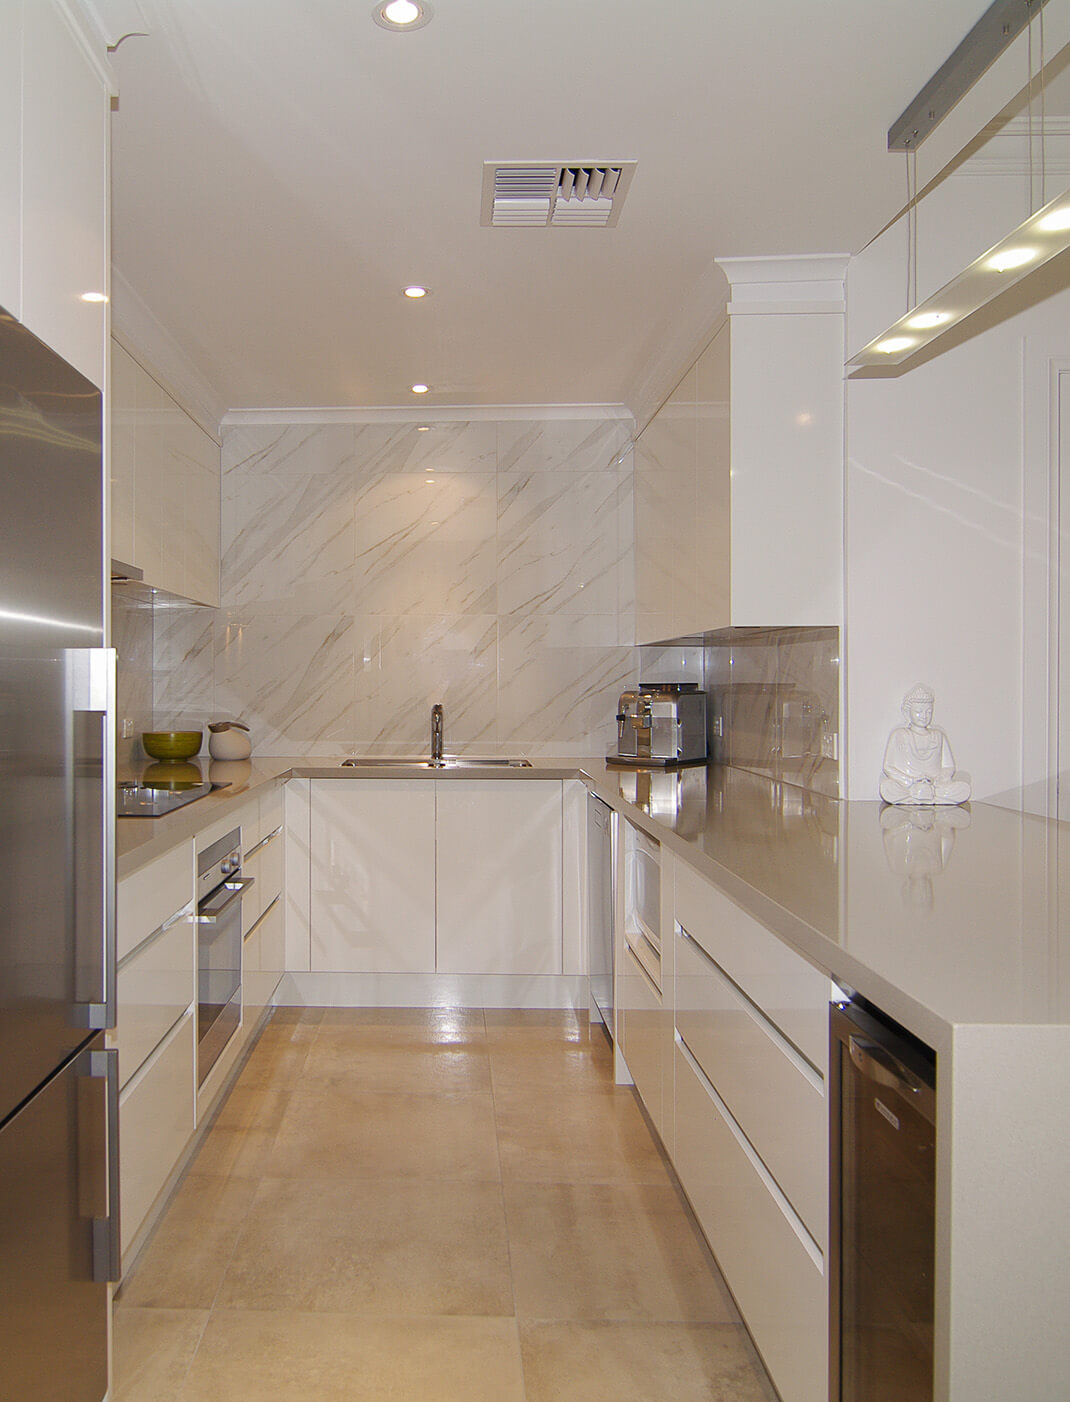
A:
[661, 723]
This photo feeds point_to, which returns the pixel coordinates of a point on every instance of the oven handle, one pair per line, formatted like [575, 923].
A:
[210, 910]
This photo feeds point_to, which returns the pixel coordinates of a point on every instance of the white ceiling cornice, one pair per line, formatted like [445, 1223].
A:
[402, 414]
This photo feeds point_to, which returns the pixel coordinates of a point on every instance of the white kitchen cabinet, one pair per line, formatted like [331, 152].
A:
[165, 478]
[121, 460]
[739, 476]
[774, 1271]
[63, 180]
[774, 1094]
[499, 876]
[156, 984]
[262, 958]
[11, 158]
[156, 1120]
[641, 1034]
[151, 895]
[751, 1122]
[682, 508]
[373, 876]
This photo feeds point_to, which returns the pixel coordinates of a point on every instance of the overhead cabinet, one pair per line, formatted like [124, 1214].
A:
[165, 486]
[739, 476]
[55, 99]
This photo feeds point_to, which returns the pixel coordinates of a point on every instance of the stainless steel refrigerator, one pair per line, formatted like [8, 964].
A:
[58, 1084]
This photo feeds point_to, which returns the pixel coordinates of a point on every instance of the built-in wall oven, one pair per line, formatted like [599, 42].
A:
[882, 1227]
[219, 948]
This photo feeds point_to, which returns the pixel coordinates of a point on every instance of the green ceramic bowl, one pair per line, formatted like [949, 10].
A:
[172, 744]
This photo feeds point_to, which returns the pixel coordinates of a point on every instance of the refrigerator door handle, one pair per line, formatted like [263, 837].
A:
[98, 1163]
[91, 684]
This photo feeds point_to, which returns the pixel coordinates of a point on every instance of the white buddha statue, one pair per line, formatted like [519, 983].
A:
[919, 767]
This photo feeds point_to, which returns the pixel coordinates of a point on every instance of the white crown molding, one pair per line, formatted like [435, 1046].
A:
[403, 414]
[802, 283]
[139, 331]
[85, 25]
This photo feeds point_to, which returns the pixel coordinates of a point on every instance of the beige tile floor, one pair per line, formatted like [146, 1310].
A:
[403, 1205]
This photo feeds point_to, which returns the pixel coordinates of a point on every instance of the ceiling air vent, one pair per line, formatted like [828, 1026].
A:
[540, 193]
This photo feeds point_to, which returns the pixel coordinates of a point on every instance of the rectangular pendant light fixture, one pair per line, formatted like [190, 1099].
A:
[1032, 244]
[1035, 242]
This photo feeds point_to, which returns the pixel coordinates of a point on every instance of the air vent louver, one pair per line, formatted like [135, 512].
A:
[542, 193]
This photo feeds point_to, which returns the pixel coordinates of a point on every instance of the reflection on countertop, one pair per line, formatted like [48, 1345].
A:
[943, 920]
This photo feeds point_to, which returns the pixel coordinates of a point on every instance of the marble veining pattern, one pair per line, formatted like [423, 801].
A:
[370, 570]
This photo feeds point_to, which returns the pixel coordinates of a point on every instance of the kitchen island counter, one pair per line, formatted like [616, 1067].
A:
[943, 917]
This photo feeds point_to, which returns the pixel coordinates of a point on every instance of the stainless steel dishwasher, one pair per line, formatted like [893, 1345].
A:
[601, 826]
[883, 1217]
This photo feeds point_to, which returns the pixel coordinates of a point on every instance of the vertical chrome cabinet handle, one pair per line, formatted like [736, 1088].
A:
[98, 1172]
[91, 683]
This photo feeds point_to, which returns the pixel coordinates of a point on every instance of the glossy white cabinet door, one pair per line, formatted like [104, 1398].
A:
[65, 122]
[641, 1030]
[156, 1118]
[122, 460]
[373, 876]
[155, 986]
[499, 876]
[151, 895]
[11, 158]
[774, 1273]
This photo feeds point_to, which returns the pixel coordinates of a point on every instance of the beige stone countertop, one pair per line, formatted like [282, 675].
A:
[944, 918]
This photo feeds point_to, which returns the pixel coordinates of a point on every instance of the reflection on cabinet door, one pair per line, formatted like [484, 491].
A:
[373, 876]
[773, 1267]
[499, 876]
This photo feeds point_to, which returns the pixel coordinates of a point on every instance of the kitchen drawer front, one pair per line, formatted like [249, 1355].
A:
[156, 1118]
[155, 986]
[779, 1288]
[644, 1034]
[261, 964]
[147, 898]
[775, 1095]
[790, 992]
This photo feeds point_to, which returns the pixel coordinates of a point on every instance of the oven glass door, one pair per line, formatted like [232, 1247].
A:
[219, 944]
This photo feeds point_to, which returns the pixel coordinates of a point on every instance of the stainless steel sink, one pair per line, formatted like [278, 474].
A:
[422, 762]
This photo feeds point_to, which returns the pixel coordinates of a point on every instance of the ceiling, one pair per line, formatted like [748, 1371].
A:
[282, 170]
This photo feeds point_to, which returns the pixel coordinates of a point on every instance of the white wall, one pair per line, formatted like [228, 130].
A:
[948, 468]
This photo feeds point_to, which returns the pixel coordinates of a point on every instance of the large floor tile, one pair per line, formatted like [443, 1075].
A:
[331, 1129]
[391, 1247]
[293, 1357]
[183, 1263]
[567, 1136]
[429, 1025]
[385, 1060]
[609, 1251]
[640, 1362]
[151, 1352]
[529, 1062]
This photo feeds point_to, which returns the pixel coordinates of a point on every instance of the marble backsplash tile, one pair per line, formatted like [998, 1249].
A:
[370, 571]
[132, 638]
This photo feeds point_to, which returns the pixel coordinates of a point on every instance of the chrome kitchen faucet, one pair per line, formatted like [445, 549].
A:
[437, 733]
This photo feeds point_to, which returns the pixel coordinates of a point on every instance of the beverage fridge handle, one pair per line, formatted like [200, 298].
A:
[883, 1068]
[93, 800]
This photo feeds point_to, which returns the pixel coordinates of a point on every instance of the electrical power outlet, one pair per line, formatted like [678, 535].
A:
[126, 728]
[830, 746]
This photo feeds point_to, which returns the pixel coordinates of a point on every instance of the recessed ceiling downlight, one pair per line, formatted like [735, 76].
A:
[420, 389]
[403, 14]
[415, 291]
